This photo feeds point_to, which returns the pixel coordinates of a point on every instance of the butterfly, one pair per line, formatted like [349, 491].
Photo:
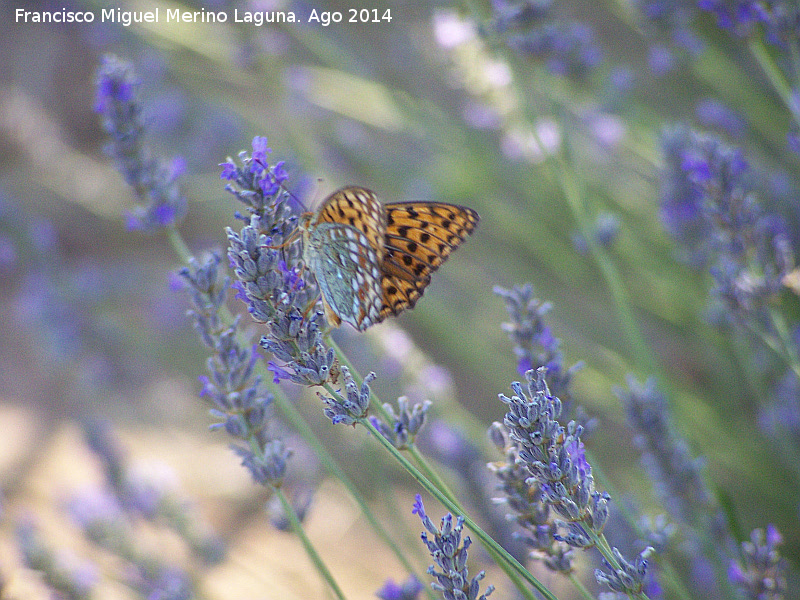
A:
[372, 260]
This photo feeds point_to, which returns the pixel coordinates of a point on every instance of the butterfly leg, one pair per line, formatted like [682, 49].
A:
[331, 317]
[290, 239]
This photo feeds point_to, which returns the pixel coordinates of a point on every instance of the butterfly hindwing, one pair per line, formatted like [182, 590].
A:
[348, 272]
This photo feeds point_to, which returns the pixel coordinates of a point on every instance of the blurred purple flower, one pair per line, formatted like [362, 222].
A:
[712, 113]
[408, 590]
[661, 60]
[153, 180]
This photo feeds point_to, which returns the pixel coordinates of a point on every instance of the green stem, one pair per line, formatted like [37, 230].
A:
[789, 350]
[440, 484]
[297, 527]
[670, 574]
[430, 473]
[778, 346]
[293, 416]
[585, 593]
[178, 245]
[646, 363]
[773, 73]
[437, 483]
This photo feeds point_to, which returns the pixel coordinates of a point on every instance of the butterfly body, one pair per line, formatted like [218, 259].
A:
[372, 260]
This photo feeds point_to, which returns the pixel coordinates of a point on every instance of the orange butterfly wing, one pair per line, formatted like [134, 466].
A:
[359, 208]
[419, 238]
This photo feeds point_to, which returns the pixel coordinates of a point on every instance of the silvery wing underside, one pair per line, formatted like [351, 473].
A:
[348, 272]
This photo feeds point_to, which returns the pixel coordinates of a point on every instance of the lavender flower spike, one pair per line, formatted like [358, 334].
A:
[353, 405]
[761, 574]
[555, 459]
[450, 556]
[403, 426]
[153, 179]
[629, 578]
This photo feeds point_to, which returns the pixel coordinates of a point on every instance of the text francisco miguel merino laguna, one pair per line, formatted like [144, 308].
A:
[127, 17]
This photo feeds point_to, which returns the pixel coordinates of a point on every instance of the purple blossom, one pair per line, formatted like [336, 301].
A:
[661, 60]
[279, 372]
[569, 49]
[553, 455]
[155, 181]
[450, 555]
[229, 171]
[407, 590]
[535, 344]
[761, 572]
[709, 204]
[712, 113]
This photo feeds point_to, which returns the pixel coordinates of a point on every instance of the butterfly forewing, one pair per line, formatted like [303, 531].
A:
[419, 237]
[359, 208]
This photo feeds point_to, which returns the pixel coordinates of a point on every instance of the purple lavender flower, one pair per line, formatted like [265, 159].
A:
[761, 572]
[450, 555]
[301, 502]
[676, 474]
[782, 416]
[546, 470]
[780, 19]
[629, 578]
[708, 202]
[137, 495]
[514, 14]
[268, 465]
[9, 259]
[162, 583]
[272, 279]
[554, 458]
[353, 405]
[568, 49]
[528, 508]
[102, 518]
[62, 572]
[670, 19]
[658, 531]
[154, 181]
[534, 343]
[604, 231]
[661, 60]
[713, 113]
[239, 401]
[405, 425]
[677, 477]
[408, 590]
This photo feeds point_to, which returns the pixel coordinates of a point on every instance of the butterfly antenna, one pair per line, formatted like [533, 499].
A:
[292, 195]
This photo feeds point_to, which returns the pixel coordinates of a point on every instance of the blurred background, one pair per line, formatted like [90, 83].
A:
[432, 104]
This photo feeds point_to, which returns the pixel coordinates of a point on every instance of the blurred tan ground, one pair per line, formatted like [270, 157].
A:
[261, 562]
